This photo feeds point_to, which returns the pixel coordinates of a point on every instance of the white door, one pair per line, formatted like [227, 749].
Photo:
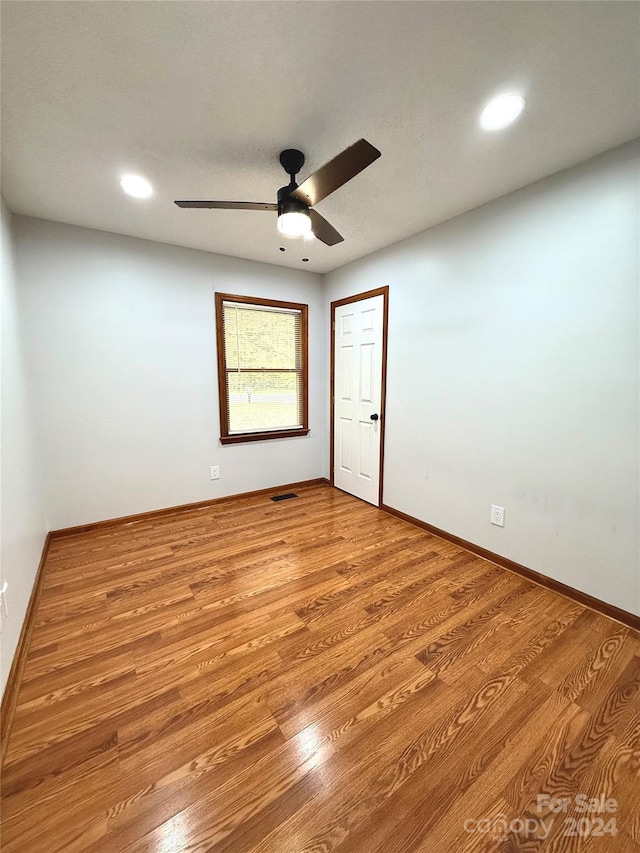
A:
[358, 397]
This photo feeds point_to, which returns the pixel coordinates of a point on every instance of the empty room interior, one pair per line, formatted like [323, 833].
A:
[320, 464]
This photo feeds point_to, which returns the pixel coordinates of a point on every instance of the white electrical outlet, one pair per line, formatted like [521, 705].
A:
[215, 472]
[4, 605]
[497, 515]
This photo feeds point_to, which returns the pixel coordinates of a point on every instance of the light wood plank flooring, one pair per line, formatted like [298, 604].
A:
[311, 675]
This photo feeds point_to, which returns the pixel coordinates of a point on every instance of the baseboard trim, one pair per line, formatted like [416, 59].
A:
[159, 513]
[615, 613]
[10, 696]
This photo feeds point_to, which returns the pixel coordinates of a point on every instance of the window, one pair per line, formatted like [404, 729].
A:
[262, 368]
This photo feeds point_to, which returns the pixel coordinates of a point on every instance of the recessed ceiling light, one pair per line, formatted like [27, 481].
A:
[136, 186]
[501, 111]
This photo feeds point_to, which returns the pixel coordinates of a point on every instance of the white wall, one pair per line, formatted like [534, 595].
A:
[22, 521]
[513, 374]
[122, 351]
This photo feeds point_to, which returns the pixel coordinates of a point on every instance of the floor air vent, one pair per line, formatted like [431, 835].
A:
[284, 497]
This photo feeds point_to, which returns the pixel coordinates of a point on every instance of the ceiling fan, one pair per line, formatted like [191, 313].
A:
[295, 216]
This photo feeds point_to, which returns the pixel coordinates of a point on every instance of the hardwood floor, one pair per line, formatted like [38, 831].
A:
[313, 675]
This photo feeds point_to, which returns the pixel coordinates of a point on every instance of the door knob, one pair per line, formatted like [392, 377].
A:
[374, 417]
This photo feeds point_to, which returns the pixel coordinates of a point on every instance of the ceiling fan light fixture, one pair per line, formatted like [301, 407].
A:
[294, 223]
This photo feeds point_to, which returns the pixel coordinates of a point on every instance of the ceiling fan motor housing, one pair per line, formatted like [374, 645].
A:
[288, 204]
[292, 162]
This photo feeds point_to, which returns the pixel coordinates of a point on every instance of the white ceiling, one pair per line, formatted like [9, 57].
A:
[200, 97]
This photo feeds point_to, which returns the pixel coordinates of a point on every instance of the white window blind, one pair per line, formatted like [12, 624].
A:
[263, 368]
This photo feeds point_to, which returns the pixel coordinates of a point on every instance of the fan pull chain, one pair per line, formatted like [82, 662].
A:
[307, 243]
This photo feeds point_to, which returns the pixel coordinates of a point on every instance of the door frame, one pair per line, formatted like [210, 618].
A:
[380, 291]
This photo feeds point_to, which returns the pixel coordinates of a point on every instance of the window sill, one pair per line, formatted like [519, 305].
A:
[261, 436]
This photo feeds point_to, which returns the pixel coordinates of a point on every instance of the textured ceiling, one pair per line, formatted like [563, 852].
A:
[201, 96]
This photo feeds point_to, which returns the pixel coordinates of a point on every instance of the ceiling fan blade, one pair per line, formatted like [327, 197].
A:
[324, 230]
[336, 172]
[229, 205]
